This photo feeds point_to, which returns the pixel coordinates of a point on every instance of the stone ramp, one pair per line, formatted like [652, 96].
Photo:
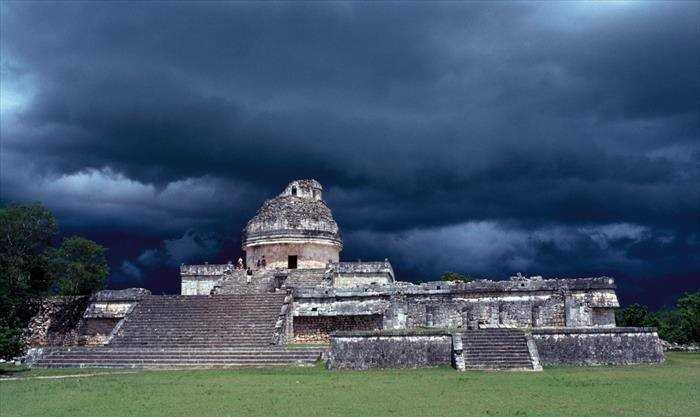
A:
[173, 358]
[496, 349]
[221, 321]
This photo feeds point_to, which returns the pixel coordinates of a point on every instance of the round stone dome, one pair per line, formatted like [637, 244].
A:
[296, 229]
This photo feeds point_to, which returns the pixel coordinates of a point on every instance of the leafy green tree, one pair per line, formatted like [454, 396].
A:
[30, 267]
[669, 325]
[78, 266]
[634, 315]
[689, 309]
[678, 325]
[455, 277]
[26, 231]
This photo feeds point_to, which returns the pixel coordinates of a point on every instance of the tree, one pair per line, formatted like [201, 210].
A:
[668, 322]
[78, 266]
[678, 325]
[634, 315]
[455, 277]
[30, 267]
[689, 310]
[25, 232]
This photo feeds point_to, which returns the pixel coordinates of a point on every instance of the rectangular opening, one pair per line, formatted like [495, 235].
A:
[292, 262]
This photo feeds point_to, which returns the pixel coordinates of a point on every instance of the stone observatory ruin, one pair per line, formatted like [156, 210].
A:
[293, 289]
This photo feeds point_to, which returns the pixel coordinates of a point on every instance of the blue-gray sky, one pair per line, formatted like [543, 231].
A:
[557, 139]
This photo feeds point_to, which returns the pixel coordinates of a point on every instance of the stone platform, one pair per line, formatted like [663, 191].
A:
[485, 349]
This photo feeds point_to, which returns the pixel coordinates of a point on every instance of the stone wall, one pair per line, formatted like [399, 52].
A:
[590, 308]
[317, 329]
[197, 286]
[71, 321]
[58, 322]
[365, 350]
[518, 303]
[201, 279]
[309, 254]
[598, 346]
[350, 274]
[106, 309]
[520, 310]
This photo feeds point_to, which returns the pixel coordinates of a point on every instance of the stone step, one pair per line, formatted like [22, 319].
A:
[165, 342]
[504, 349]
[202, 321]
[216, 330]
[496, 355]
[210, 306]
[110, 349]
[172, 366]
[78, 358]
[89, 363]
[109, 357]
[496, 349]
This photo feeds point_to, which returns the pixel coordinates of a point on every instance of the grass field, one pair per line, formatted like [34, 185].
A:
[672, 389]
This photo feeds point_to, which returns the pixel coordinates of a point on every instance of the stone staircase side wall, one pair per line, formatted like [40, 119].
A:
[534, 353]
[284, 326]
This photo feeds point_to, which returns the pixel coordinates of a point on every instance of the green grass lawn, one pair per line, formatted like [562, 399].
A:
[672, 389]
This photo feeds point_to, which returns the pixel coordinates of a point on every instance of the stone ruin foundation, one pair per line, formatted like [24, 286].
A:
[292, 288]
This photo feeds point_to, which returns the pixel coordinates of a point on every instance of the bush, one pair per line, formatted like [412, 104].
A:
[455, 277]
[635, 315]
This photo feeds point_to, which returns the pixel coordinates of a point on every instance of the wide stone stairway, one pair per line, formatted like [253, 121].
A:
[191, 331]
[493, 349]
[200, 321]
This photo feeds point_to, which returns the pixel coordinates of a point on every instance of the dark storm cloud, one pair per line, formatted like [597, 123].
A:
[422, 120]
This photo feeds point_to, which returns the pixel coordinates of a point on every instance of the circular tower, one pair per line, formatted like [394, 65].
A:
[293, 230]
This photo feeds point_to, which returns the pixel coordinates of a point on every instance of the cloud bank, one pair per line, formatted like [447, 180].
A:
[556, 138]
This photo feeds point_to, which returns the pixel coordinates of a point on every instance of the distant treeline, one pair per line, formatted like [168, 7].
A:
[678, 325]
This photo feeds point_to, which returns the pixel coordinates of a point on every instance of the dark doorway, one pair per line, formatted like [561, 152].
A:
[292, 262]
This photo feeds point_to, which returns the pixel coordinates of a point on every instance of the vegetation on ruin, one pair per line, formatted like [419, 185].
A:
[670, 389]
[455, 277]
[31, 267]
[678, 325]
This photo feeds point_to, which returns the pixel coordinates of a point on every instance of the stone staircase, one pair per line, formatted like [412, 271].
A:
[200, 321]
[191, 331]
[493, 349]
[174, 358]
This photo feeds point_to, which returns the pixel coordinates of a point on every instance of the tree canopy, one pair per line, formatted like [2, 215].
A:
[78, 266]
[30, 267]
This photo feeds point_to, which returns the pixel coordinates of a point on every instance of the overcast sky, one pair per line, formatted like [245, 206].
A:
[555, 139]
